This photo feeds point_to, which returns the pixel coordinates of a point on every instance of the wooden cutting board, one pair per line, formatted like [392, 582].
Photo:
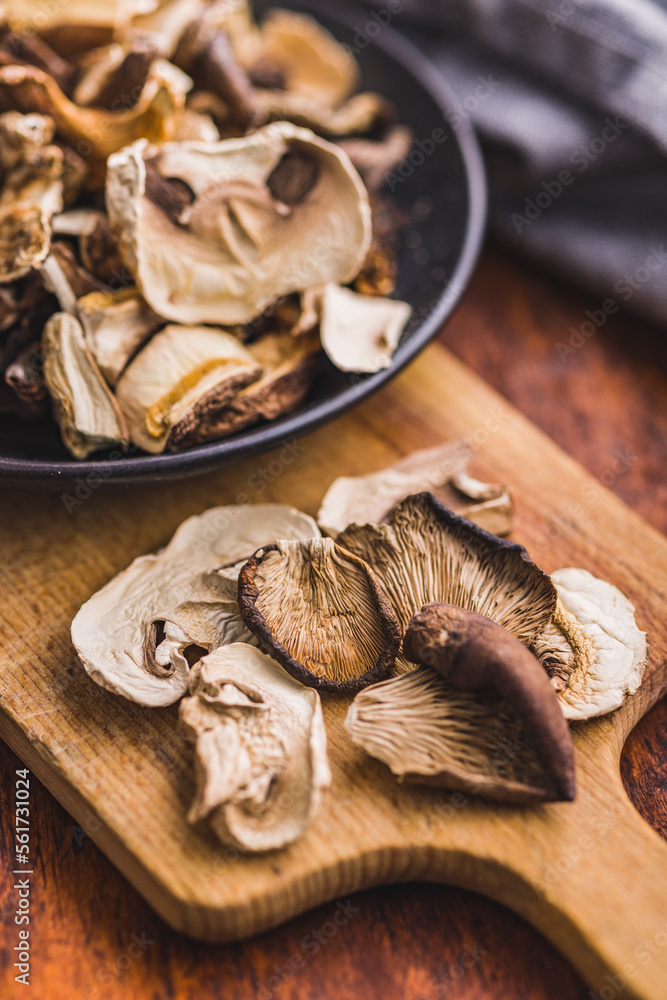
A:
[591, 875]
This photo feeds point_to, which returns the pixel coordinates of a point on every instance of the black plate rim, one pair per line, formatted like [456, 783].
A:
[264, 437]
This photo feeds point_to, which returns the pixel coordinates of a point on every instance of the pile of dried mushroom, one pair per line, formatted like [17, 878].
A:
[190, 211]
[464, 660]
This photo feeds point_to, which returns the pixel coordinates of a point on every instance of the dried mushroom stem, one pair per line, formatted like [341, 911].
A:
[474, 653]
[319, 611]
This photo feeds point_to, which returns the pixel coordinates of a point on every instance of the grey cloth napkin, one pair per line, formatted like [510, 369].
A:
[570, 100]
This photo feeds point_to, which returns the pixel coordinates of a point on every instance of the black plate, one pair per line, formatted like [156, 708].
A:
[443, 188]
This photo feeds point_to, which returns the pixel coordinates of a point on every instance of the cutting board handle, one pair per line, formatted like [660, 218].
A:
[591, 875]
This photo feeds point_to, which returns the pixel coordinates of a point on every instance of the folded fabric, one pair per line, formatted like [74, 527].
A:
[570, 100]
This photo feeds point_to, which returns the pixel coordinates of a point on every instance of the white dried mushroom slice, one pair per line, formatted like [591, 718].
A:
[261, 749]
[428, 732]
[427, 553]
[116, 325]
[216, 232]
[174, 388]
[309, 59]
[600, 654]
[88, 414]
[318, 611]
[361, 332]
[441, 470]
[135, 635]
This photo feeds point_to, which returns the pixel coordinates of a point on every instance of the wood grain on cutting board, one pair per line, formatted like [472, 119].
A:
[590, 875]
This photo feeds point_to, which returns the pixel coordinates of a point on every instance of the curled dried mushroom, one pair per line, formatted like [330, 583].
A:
[137, 635]
[84, 406]
[427, 553]
[473, 653]
[442, 470]
[262, 216]
[601, 653]
[179, 149]
[261, 757]
[175, 387]
[319, 611]
[429, 733]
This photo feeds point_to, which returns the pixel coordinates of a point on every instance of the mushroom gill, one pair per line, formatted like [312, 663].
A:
[318, 611]
[427, 553]
[428, 732]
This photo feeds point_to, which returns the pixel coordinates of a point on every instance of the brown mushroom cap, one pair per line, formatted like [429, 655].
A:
[474, 653]
[427, 553]
[319, 611]
[428, 732]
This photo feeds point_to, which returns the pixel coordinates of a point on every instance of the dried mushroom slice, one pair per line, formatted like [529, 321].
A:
[84, 407]
[216, 232]
[32, 192]
[117, 325]
[358, 115]
[428, 732]
[96, 130]
[473, 653]
[178, 383]
[595, 652]
[318, 611]
[288, 364]
[309, 60]
[138, 634]
[361, 332]
[427, 553]
[113, 14]
[261, 749]
[441, 470]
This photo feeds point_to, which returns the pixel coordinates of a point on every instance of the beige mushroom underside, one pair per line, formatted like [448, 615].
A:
[261, 756]
[179, 586]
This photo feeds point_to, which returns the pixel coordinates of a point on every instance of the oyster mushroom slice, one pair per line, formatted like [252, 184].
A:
[261, 749]
[313, 64]
[473, 653]
[427, 732]
[608, 652]
[361, 332]
[246, 239]
[318, 611]
[179, 382]
[116, 325]
[441, 469]
[85, 409]
[133, 635]
[427, 553]
[289, 365]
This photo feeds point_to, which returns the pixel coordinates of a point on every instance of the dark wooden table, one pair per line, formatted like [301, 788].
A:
[95, 938]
